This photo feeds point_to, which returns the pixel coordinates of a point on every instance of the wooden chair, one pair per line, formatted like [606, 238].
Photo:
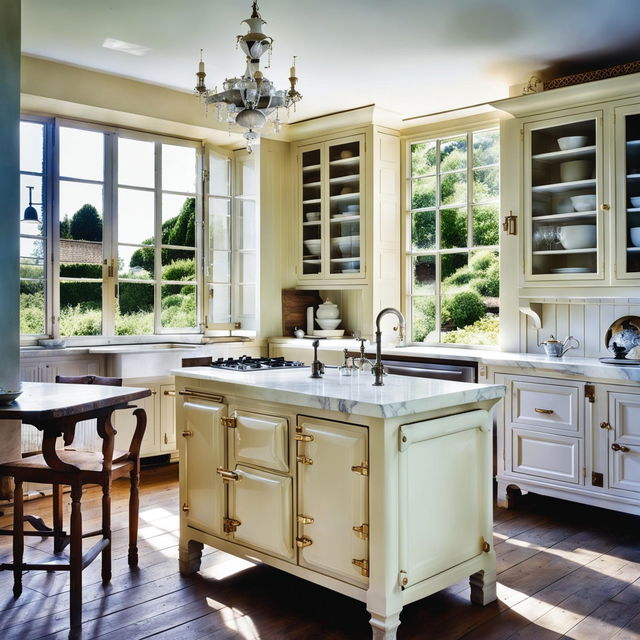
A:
[81, 468]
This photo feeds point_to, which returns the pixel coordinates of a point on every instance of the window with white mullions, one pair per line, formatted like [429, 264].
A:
[452, 243]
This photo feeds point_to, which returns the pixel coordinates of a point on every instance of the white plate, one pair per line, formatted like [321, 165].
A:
[351, 271]
[571, 270]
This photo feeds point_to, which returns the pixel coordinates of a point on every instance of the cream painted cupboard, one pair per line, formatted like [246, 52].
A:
[570, 439]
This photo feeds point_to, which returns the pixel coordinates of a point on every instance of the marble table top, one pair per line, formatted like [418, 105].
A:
[41, 401]
[400, 395]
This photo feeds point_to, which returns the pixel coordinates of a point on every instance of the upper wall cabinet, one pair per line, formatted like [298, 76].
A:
[331, 210]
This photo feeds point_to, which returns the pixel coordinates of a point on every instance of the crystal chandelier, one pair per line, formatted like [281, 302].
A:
[251, 99]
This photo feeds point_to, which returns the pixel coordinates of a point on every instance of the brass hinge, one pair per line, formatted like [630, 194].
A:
[305, 519]
[166, 439]
[403, 579]
[230, 524]
[304, 460]
[303, 541]
[521, 133]
[230, 421]
[205, 174]
[362, 531]
[605, 425]
[486, 547]
[597, 479]
[187, 433]
[303, 437]
[584, 473]
[590, 392]
[364, 566]
[185, 507]
[510, 224]
[362, 469]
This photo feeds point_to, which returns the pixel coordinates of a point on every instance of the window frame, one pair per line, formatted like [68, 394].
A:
[408, 253]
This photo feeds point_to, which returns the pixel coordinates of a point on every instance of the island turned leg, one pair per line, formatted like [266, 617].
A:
[483, 587]
[384, 627]
[190, 556]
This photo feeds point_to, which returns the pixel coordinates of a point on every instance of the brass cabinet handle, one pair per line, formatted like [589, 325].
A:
[302, 519]
[547, 411]
[605, 207]
[619, 447]
[303, 541]
[303, 437]
[304, 460]
[227, 475]
[605, 425]
[187, 434]
[169, 392]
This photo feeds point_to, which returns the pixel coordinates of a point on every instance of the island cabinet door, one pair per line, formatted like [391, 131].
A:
[624, 441]
[260, 511]
[333, 508]
[202, 453]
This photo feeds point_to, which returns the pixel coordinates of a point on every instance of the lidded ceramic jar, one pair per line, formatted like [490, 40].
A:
[327, 310]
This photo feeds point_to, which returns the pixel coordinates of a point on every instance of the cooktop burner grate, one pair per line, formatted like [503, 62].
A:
[247, 363]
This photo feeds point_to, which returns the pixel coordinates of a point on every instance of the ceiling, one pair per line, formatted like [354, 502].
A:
[413, 57]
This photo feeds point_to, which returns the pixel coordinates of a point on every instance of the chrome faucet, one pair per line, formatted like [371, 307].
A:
[378, 369]
[317, 368]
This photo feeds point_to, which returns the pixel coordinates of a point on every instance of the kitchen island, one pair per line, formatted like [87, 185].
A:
[380, 493]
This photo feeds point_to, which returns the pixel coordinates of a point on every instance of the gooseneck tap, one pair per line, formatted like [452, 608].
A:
[317, 368]
[378, 369]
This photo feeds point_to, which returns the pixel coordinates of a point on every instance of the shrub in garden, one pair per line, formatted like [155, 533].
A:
[464, 308]
[180, 270]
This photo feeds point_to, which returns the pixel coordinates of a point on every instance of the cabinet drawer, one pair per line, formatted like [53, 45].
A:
[546, 455]
[543, 405]
[260, 440]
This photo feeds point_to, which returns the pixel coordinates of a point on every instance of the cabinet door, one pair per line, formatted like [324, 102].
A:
[201, 454]
[262, 504]
[311, 210]
[563, 188]
[167, 417]
[627, 140]
[125, 424]
[333, 511]
[624, 441]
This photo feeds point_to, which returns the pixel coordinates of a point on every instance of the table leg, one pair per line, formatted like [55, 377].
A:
[18, 538]
[75, 595]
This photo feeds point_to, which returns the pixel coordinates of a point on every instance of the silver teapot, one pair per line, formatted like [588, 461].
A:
[557, 349]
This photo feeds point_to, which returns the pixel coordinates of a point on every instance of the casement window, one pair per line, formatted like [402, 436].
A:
[452, 258]
[118, 247]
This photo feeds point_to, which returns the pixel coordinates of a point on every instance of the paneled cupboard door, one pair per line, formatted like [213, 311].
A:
[627, 173]
[564, 199]
[331, 209]
[624, 441]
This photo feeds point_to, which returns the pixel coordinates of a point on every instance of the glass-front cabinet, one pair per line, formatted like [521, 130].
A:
[628, 191]
[331, 209]
[564, 209]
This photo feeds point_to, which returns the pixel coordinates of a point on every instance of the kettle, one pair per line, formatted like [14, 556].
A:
[557, 349]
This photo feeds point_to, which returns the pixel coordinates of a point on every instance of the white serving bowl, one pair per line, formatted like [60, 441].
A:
[353, 208]
[327, 311]
[312, 216]
[572, 142]
[578, 236]
[328, 324]
[575, 170]
[347, 245]
[634, 232]
[584, 202]
[313, 247]
[565, 206]
[635, 201]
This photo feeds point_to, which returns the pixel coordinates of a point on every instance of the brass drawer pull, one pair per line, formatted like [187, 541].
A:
[305, 519]
[169, 392]
[362, 531]
[227, 475]
[605, 425]
[547, 411]
[362, 469]
[620, 447]
[303, 541]
[187, 434]
[304, 460]
[303, 437]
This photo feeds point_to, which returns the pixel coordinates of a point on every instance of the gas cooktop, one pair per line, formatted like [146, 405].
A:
[247, 363]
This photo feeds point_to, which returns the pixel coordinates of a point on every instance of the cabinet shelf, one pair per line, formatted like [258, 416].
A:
[345, 162]
[349, 259]
[313, 201]
[633, 176]
[311, 167]
[349, 218]
[569, 154]
[562, 252]
[311, 184]
[633, 249]
[633, 143]
[574, 215]
[311, 260]
[561, 187]
[311, 223]
[344, 196]
[354, 177]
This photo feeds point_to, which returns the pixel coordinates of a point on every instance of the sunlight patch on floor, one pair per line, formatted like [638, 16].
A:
[243, 625]
[229, 567]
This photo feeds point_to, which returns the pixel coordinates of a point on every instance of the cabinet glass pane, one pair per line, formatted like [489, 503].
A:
[311, 212]
[632, 183]
[564, 198]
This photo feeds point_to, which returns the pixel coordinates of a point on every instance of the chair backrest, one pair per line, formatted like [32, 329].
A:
[202, 361]
[113, 382]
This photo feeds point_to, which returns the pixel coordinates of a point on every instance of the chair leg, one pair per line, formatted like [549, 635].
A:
[58, 538]
[75, 595]
[134, 507]
[106, 532]
[18, 538]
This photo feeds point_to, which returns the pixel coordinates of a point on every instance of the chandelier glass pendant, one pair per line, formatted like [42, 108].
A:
[251, 99]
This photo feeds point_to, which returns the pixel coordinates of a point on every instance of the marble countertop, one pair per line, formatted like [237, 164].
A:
[526, 362]
[400, 395]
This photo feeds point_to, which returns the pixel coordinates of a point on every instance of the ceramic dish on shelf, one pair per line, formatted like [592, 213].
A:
[572, 142]
[312, 216]
[578, 236]
[7, 396]
[350, 271]
[329, 333]
[313, 247]
[634, 232]
[565, 206]
[635, 201]
[575, 170]
[624, 332]
[52, 343]
[571, 270]
[353, 208]
[345, 154]
[328, 324]
[619, 361]
[585, 202]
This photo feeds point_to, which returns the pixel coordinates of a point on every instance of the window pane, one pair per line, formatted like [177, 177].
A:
[248, 271]
[134, 315]
[453, 188]
[136, 263]
[453, 153]
[247, 225]
[178, 220]
[31, 258]
[423, 315]
[220, 306]
[453, 228]
[80, 308]
[80, 211]
[423, 269]
[81, 154]
[219, 224]
[423, 158]
[31, 147]
[423, 193]
[136, 216]
[32, 305]
[423, 230]
[247, 301]
[136, 162]
[178, 306]
[32, 228]
[486, 148]
[485, 225]
[486, 185]
[219, 181]
[221, 266]
[246, 177]
[178, 168]
[178, 264]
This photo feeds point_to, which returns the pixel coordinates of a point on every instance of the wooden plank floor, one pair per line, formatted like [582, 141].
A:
[565, 571]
